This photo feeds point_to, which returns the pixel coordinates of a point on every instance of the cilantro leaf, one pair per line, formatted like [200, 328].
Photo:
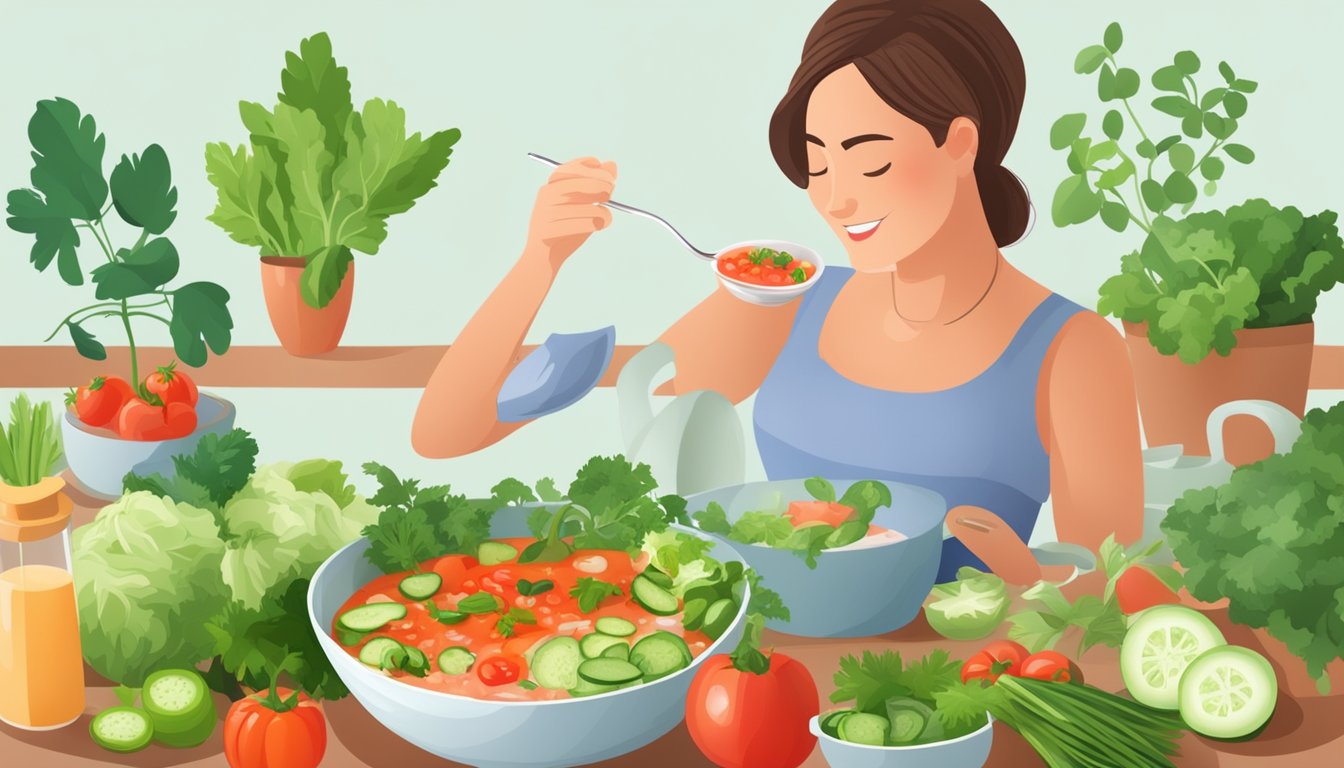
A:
[507, 623]
[511, 491]
[713, 519]
[606, 483]
[931, 674]
[546, 490]
[871, 681]
[401, 540]
[417, 524]
[765, 601]
[591, 592]
[221, 464]
[761, 528]
[961, 707]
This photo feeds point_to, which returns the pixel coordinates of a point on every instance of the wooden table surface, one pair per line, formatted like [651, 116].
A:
[1305, 733]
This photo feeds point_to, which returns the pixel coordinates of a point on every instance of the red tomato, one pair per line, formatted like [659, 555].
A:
[1137, 589]
[172, 386]
[498, 670]
[98, 403]
[179, 419]
[829, 512]
[1047, 665]
[1001, 657]
[744, 720]
[138, 420]
[258, 736]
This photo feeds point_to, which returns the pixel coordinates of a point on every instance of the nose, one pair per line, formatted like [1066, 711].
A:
[841, 206]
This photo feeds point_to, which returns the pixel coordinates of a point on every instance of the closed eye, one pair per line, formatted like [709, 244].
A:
[879, 171]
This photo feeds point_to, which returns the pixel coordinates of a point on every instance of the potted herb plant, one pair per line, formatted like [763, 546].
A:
[117, 425]
[316, 182]
[1242, 283]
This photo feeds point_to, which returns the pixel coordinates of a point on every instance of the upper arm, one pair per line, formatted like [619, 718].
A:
[727, 345]
[1088, 415]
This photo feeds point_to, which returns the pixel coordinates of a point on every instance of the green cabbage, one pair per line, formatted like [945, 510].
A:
[284, 522]
[146, 573]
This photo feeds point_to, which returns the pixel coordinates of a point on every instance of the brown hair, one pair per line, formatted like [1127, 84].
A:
[932, 61]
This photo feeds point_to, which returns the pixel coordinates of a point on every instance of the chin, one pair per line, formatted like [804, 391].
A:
[874, 257]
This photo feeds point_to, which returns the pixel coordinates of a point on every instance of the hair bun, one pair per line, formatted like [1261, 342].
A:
[1006, 202]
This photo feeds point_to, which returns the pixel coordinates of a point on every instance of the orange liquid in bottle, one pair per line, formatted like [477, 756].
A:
[41, 669]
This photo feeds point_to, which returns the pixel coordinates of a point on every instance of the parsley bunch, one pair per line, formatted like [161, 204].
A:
[417, 524]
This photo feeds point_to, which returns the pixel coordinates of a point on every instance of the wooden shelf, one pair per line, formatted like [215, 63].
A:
[348, 367]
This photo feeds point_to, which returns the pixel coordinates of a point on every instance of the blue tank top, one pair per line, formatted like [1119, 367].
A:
[975, 443]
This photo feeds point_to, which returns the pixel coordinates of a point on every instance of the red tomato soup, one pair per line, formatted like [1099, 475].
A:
[764, 266]
[500, 668]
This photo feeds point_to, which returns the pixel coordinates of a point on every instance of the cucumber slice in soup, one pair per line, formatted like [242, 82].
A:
[1228, 692]
[658, 577]
[595, 644]
[420, 586]
[615, 626]
[417, 663]
[653, 598]
[693, 614]
[1160, 644]
[495, 552]
[609, 671]
[367, 618]
[555, 665]
[586, 688]
[621, 652]
[122, 729]
[863, 728]
[372, 652]
[660, 654]
[719, 617]
[179, 704]
[456, 660]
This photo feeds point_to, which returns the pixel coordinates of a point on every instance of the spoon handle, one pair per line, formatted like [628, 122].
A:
[708, 255]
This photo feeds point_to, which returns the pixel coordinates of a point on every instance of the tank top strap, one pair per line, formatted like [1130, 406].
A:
[1026, 352]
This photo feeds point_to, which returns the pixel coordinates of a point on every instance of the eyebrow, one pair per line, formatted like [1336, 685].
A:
[847, 143]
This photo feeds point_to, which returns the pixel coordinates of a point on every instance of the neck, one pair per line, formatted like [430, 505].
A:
[951, 274]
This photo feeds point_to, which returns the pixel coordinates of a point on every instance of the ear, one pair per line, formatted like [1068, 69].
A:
[962, 144]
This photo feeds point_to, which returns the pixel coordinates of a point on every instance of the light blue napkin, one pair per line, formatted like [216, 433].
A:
[557, 374]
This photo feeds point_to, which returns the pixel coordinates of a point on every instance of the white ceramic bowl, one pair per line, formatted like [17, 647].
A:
[503, 734]
[969, 751]
[769, 295]
[856, 592]
[99, 459]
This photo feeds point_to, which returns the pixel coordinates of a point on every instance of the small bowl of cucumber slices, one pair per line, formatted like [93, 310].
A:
[860, 740]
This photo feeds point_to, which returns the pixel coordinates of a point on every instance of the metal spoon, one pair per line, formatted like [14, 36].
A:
[707, 255]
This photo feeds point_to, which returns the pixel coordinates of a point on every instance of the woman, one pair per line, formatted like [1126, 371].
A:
[933, 361]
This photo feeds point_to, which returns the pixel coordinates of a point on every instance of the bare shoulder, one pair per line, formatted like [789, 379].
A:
[1088, 339]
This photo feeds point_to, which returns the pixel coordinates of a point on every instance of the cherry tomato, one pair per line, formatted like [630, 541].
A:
[98, 402]
[1047, 665]
[172, 386]
[139, 420]
[179, 420]
[1001, 657]
[498, 670]
[744, 720]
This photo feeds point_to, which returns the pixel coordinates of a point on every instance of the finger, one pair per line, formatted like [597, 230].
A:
[571, 227]
[579, 190]
[577, 170]
[989, 538]
[579, 211]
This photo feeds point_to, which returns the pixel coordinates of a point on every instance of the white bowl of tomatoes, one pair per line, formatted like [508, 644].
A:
[113, 428]
[767, 273]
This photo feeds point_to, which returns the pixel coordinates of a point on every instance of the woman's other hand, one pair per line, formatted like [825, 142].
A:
[567, 209]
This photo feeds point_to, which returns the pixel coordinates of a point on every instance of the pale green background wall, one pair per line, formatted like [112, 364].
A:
[678, 93]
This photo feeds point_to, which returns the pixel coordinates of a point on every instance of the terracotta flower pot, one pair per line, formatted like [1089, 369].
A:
[1292, 670]
[303, 330]
[1175, 398]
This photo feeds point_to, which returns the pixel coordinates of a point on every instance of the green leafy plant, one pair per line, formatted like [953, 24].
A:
[1158, 172]
[319, 180]
[1199, 280]
[1271, 540]
[31, 446]
[70, 193]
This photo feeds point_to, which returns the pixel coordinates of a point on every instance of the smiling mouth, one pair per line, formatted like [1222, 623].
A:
[862, 231]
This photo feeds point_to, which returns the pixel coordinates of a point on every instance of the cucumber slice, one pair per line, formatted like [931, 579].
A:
[586, 688]
[456, 661]
[593, 645]
[911, 721]
[122, 729]
[555, 665]
[615, 626]
[621, 652]
[1161, 642]
[693, 614]
[416, 662]
[367, 618]
[609, 671]
[719, 617]
[658, 577]
[660, 654]
[420, 586]
[830, 722]
[372, 652]
[863, 728]
[495, 552]
[1228, 692]
[652, 597]
[179, 704]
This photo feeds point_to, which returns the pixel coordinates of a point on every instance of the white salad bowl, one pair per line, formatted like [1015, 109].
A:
[855, 591]
[504, 734]
[969, 751]
[99, 458]
[769, 295]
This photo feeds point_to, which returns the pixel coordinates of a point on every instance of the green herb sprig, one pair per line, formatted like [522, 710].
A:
[31, 447]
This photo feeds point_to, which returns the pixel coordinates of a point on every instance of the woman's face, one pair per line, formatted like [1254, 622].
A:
[875, 175]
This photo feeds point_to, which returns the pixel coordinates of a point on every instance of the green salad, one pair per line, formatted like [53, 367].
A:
[894, 704]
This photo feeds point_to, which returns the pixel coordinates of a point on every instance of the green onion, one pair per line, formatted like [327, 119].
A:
[527, 685]
[32, 446]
